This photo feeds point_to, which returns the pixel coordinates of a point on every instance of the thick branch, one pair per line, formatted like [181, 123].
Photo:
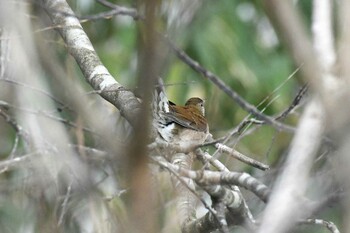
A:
[205, 178]
[95, 73]
[286, 205]
[292, 31]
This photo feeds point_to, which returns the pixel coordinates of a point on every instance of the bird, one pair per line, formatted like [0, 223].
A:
[184, 126]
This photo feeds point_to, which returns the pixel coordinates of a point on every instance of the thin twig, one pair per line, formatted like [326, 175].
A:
[16, 161]
[64, 204]
[18, 83]
[122, 10]
[238, 130]
[241, 157]
[288, 23]
[107, 4]
[328, 224]
[225, 88]
[45, 114]
[295, 102]
[12, 122]
[108, 14]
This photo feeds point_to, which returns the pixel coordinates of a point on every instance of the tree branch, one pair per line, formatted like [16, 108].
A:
[95, 73]
[286, 21]
[241, 157]
[225, 88]
[285, 205]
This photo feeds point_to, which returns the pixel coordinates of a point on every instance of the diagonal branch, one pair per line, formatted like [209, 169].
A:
[95, 73]
[206, 178]
[225, 88]
[286, 205]
[243, 158]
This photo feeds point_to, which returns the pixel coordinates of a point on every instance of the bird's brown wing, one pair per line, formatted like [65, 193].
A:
[188, 117]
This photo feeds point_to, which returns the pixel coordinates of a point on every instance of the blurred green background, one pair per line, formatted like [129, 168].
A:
[231, 38]
[234, 40]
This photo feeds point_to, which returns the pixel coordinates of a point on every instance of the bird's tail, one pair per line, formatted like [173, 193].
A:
[160, 101]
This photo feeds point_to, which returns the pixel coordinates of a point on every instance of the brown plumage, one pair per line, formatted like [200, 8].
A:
[189, 116]
[184, 126]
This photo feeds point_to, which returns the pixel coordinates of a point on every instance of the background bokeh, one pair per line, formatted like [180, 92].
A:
[231, 38]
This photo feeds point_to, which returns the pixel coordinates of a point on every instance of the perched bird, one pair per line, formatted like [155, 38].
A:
[184, 126]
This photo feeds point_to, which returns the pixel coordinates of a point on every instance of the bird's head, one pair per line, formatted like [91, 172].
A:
[196, 102]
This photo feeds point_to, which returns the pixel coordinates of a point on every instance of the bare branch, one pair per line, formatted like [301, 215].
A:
[296, 101]
[218, 165]
[288, 23]
[186, 204]
[344, 48]
[229, 178]
[323, 39]
[45, 114]
[95, 73]
[118, 10]
[225, 88]
[185, 183]
[285, 204]
[329, 225]
[241, 157]
[64, 204]
[13, 123]
[213, 161]
[11, 163]
[27, 86]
